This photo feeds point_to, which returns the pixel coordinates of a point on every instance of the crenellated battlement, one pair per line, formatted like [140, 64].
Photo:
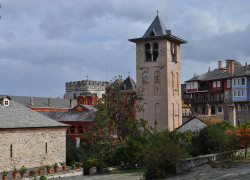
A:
[75, 88]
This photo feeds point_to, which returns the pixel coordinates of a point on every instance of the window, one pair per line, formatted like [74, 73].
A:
[155, 52]
[239, 107]
[220, 109]
[145, 77]
[157, 76]
[245, 107]
[243, 81]
[239, 94]
[218, 83]
[228, 83]
[46, 148]
[147, 52]
[214, 84]
[72, 129]
[239, 81]
[235, 82]
[6, 103]
[11, 151]
[80, 130]
[243, 92]
[173, 52]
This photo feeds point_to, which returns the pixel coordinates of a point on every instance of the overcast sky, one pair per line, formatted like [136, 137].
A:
[45, 43]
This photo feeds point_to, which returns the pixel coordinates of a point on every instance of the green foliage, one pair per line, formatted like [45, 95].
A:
[211, 139]
[71, 151]
[23, 170]
[129, 153]
[14, 170]
[114, 121]
[5, 173]
[161, 154]
[43, 177]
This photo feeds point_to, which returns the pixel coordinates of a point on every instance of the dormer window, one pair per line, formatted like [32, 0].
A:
[152, 33]
[6, 103]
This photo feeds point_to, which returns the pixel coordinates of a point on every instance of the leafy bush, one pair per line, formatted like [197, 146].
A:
[71, 151]
[162, 154]
[129, 153]
[211, 139]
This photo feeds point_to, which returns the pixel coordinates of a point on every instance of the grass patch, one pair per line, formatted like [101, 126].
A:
[123, 171]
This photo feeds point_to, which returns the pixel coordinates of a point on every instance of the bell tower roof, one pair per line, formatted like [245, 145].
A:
[157, 28]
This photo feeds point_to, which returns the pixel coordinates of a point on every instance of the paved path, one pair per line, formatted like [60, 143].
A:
[123, 176]
[205, 172]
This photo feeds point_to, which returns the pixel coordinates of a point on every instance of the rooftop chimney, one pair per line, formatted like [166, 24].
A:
[194, 74]
[71, 103]
[31, 101]
[209, 69]
[49, 101]
[230, 66]
[219, 64]
[246, 66]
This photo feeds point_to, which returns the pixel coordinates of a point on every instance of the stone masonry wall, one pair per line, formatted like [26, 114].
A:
[32, 147]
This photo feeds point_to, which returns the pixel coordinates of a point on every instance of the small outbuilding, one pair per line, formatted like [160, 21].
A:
[198, 122]
[29, 138]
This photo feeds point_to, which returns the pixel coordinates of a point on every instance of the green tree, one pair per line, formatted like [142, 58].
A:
[114, 122]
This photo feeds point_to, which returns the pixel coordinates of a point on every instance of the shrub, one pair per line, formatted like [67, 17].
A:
[129, 153]
[211, 139]
[161, 155]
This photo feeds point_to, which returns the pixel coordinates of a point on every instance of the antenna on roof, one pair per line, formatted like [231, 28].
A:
[157, 12]
[87, 77]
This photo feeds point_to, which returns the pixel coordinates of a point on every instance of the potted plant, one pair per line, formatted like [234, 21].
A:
[79, 165]
[22, 171]
[92, 164]
[64, 167]
[56, 167]
[15, 173]
[40, 170]
[5, 173]
[73, 164]
[32, 173]
[48, 167]
[43, 177]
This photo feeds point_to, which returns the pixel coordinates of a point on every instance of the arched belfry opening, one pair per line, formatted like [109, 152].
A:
[155, 52]
[147, 52]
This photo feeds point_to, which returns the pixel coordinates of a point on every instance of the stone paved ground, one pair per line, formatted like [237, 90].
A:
[123, 176]
[204, 172]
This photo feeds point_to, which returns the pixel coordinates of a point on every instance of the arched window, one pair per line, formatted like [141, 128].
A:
[147, 52]
[145, 77]
[157, 76]
[155, 52]
[72, 129]
[173, 52]
[80, 130]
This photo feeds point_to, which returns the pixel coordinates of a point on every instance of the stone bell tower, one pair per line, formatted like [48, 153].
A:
[158, 73]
